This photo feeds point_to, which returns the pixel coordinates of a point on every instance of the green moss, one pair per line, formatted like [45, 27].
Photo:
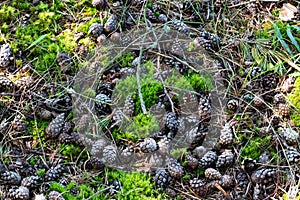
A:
[200, 82]
[84, 27]
[177, 153]
[294, 99]
[150, 95]
[37, 129]
[119, 134]
[8, 13]
[149, 88]
[72, 152]
[142, 125]
[67, 40]
[125, 60]
[256, 146]
[136, 186]
[33, 160]
[41, 172]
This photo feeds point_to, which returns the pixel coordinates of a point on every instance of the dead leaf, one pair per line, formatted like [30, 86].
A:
[287, 12]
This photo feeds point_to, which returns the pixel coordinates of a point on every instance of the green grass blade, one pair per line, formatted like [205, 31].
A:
[37, 41]
[283, 43]
[293, 40]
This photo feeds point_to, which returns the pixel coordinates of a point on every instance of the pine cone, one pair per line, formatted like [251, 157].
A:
[126, 154]
[148, 145]
[269, 83]
[18, 193]
[258, 101]
[18, 125]
[180, 26]
[5, 54]
[264, 175]
[95, 163]
[208, 41]
[242, 180]
[31, 181]
[162, 18]
[54, 195]
[54, 173]
[65, 138]
[288, 84]
[190, 103]
[81, 140]
[225, 159]
[171, 121]
[118, 117]
[98, 147]
[109, 154]
[56, 125]
[99, 4]
[198, 186]
[129, 106]
[212, 174]
[248, 164]
[9, 178]
[226, 181]
[95, 30]
[254, 72]
[204, 109]
[208, 159]
[292, 155]
[150, 15]
[191, 161]
[6, 85]
[196, 136]
[64, 181]
[290, 136]
[283, 110]
[279, 98]
[64, 61]
[259, 192]
[232, 105]
[103, 103]
[264, 158]
[44, 113]
[226, 137]
[204, 43]
[115, 187]
[111, 24]
[175, 169]
[82, 122]
[162, 178]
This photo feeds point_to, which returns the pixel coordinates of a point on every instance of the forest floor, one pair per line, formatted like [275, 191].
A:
[131, 99]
